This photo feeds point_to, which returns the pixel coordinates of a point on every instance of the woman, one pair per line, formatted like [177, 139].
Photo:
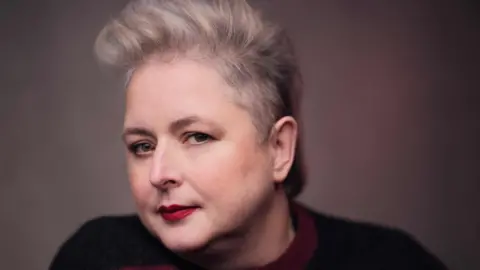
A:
[213, 156]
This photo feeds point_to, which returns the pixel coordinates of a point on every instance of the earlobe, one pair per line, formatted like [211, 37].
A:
[284, 138]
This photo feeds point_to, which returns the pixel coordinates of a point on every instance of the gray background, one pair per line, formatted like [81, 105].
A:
[391, 115]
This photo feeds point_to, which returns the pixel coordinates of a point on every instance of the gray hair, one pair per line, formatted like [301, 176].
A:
[253, 55]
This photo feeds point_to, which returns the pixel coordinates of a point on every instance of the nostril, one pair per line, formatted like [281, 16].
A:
[169, 181]
[168, 184]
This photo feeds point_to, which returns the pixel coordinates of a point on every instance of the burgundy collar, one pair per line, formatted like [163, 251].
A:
[301, 250]
[297, 255]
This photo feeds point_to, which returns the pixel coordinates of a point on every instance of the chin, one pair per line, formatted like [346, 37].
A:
[193, 235]
[186, 242]
[181, 238]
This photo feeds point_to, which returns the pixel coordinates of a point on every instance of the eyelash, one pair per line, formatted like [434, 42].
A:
[189, 135]
[134, 147]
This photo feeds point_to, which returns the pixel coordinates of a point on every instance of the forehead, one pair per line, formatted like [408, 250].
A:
[160, 92]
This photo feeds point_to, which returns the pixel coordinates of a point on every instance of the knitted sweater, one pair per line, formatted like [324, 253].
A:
[321, 242]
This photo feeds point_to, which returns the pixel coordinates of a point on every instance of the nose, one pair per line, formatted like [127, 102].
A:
[163, 172]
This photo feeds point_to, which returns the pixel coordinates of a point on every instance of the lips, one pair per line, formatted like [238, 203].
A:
[176, 212]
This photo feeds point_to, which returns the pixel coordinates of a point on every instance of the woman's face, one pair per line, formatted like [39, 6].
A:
[196, 167]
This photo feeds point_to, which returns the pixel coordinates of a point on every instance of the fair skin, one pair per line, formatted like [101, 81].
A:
[191, 144]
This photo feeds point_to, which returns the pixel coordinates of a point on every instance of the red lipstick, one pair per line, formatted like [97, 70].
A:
[176, 212]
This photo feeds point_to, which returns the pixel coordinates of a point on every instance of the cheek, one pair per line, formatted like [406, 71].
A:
[229, 172]
[138, 176]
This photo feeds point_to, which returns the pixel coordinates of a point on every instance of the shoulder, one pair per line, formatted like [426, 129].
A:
[105, 224]
[352, 243]
[107, 242]
[104, 231]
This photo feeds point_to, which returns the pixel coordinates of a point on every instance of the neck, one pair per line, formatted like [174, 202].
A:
[260, 244]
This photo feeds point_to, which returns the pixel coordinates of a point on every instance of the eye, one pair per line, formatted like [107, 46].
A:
[197, 138]
[141, 148]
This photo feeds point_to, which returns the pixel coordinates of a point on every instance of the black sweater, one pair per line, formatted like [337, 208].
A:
[321, 242]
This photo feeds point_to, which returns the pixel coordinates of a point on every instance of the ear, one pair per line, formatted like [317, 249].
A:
[283, 140]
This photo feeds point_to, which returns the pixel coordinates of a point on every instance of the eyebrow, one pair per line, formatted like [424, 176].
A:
[137, 131]
[184, 122]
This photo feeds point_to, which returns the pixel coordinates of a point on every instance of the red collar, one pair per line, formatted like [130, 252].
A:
[301, 250]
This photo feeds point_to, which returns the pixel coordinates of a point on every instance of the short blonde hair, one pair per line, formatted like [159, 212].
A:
[253, 55]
